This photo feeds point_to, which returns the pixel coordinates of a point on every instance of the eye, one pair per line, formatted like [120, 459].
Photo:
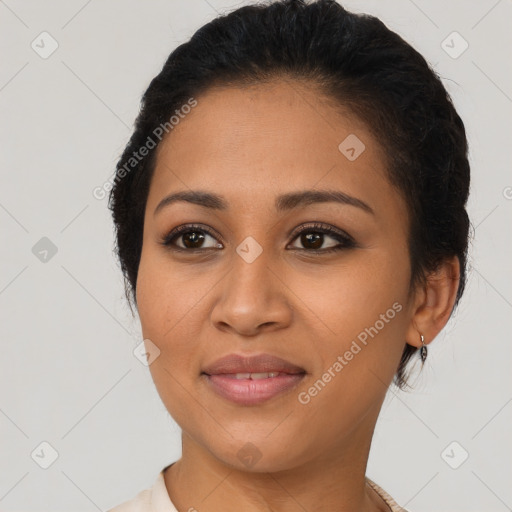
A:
[192, 238]
[312, 237]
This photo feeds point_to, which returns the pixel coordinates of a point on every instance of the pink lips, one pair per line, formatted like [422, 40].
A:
[221, 376]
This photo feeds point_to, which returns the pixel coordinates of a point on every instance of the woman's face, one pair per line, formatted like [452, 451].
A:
[253, 285]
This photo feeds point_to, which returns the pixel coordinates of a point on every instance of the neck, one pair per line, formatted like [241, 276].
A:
[332, 481]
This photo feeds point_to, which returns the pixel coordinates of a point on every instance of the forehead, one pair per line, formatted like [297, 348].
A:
[259, 141]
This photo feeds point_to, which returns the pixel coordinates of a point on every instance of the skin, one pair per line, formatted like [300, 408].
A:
[250, 145]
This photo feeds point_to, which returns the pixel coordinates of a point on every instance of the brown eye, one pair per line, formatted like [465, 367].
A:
[312, 238]
[191, 237]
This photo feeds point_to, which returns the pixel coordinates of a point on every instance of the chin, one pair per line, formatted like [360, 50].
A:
[256, 456]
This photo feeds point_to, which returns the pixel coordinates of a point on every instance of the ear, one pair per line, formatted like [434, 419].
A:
[434, 302]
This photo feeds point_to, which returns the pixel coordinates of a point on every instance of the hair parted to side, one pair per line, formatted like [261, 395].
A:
[353, 59]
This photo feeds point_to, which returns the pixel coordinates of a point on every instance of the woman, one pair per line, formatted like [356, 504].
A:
[291, 225]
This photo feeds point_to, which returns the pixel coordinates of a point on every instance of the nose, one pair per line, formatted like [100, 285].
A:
[252, 298]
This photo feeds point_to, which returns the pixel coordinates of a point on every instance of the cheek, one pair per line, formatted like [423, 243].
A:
[364, 307]
[360, 290]
[365, 311]
[169, 303]
[150, 299]
[164, 297]
[167, 319]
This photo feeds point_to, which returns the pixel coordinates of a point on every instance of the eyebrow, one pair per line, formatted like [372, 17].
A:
[283, 202]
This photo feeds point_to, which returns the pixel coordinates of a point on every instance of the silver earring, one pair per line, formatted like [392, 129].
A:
[423, 349]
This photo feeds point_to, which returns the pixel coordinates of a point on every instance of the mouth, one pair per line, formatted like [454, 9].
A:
[246, 389]
[237, 364]
[252, 380]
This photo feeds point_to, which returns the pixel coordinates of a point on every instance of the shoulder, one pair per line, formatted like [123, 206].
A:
[393, 505]
[156, 499]
[140, 503]
[152, 499]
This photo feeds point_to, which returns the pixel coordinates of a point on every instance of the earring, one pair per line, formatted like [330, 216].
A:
[423, 349]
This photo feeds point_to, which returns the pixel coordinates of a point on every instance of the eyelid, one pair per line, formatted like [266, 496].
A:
[322, 228]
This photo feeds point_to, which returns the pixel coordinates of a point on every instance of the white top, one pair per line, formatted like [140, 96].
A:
[156, 499]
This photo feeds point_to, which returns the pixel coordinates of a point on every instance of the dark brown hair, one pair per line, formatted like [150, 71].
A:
[355, 60]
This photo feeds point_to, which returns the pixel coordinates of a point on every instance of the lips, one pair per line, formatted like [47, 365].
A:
[234, 364]
[251, 380]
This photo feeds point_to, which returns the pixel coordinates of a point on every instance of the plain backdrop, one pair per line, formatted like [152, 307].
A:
[68, 376]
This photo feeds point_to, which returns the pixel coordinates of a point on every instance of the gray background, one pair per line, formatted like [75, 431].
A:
[67, 372]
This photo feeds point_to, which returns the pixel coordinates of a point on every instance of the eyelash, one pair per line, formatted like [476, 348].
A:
[345, 241]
